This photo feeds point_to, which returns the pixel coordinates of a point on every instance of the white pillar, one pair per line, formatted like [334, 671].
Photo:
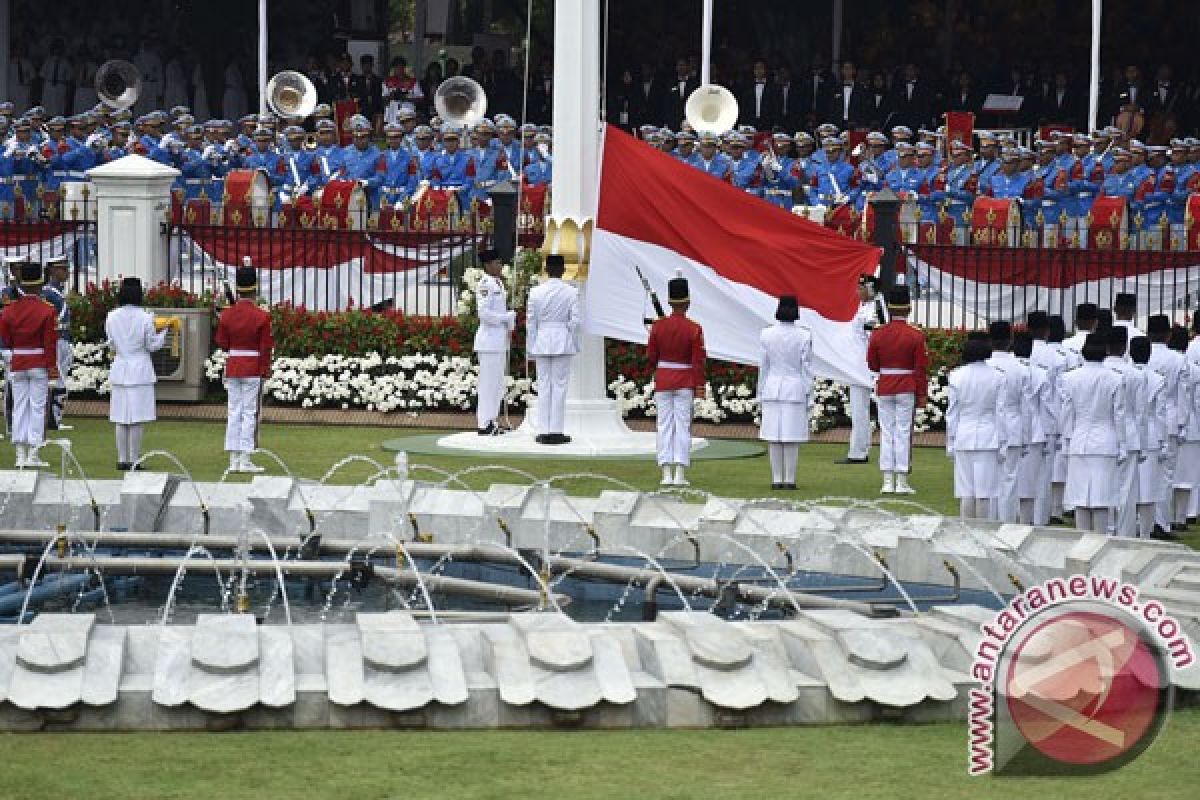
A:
[133, 199]
[262, 57]
[836, 50]
[1094, 80]
[706, 26]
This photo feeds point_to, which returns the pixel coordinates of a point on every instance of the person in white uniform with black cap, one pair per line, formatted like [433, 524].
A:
[785, 390]
[976, 427]
[872, 312]
[1094, 434]
[552, 320]
[496, 323]
[1153, 423]
[132, 336]
[1016, 391]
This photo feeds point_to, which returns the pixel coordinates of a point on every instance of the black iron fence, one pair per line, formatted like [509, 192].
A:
[48, 228]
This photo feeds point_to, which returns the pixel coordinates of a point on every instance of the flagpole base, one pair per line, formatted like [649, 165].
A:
[595, 427]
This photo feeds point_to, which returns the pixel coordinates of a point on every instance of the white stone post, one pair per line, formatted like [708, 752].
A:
[133, 201]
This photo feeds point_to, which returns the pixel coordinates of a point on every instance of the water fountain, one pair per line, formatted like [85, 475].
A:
[412, 599]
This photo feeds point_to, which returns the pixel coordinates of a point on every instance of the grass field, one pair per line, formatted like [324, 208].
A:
[888, 762]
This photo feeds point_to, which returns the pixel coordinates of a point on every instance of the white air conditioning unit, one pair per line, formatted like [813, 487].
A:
[179, 365]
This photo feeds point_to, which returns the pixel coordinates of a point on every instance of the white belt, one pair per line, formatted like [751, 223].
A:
[28, 351]
[243, 353]
[894, 371]
[673, 365]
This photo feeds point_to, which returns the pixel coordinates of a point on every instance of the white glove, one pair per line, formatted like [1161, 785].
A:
[96, 141]
[11, 148]
[211, 154]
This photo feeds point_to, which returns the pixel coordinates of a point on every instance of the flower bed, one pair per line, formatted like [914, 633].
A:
[390, 362]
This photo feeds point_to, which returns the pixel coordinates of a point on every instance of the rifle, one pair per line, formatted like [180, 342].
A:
[658, 309]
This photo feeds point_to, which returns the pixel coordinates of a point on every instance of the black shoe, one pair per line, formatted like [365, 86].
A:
[852, 461]
[561, 438]
[1055, 521]
[787, 486]
[123, 466]
[492, 429]
[543, 438]
[1193, 520]
[1163, 535]
[776, 486]
[1179, 527]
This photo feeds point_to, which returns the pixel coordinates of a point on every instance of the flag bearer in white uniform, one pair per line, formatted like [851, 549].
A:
[244, 333]
[1087, 317]
[552, 319]
[1049, 358]
[1016, 395]
[29, 338]
[496, 323]
[1170, 365]
[1152, 422]
[1069, 360]
[1124, 521]
[871, 314]
[784, 391]
[132, 336]
[1187, 469]
[676, 348]
[1094, 433]
[1036, 449]
[976, 435]
[1124, 310]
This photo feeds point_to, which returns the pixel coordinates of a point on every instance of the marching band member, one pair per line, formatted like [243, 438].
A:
[496, 323]
[871, 314]
[676, 349]
[244, 333]
[976, 428]
[29, 337]
[896, 352]
[132, 335]
[552, 333]
[785, 391]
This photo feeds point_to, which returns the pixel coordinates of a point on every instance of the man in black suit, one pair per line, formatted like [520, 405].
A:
[646, 97]
[815, 91]
[756, 100]
[913, 100]
[963, 97]
[368, 91]
[1166, 96]
[1131, 92]
[677, 92]
[788, 100]
[1063, 103]
[849, 106]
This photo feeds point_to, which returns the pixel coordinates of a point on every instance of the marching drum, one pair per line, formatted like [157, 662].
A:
[247, 191]
[435, 209]
[995, 221]
[78, 201]
[344, 202]
[1108, 224]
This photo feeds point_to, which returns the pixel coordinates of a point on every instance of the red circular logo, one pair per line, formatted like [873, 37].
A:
[1086, 688]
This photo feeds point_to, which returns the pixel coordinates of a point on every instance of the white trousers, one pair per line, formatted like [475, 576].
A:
[1164, 510]
[1007, 503]
[553, 372]
[895, 431]
[1126, 511]
[491, 387]
[860, 422]
[241, 425]
[30, 388]
[674, 426]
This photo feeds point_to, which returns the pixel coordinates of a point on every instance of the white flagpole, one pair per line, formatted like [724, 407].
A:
[706, 41]
[1094, 81]
[262, 56]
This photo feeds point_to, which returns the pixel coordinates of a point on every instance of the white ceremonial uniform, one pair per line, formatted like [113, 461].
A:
[552, 320]
[1052, 359]
[977, 420]
[1075, 345]
[131, 335]
[491, 345]
[1187, 469]
[1094, 434]
[1133, 330]
[1153, 426]
[1016, 394]
[870, 314]
[1171, 365]
[785, 382]
[1193, 362]
[1036, 448]
[1124, 523]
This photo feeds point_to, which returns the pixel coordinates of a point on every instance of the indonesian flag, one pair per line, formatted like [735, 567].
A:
[738, 253]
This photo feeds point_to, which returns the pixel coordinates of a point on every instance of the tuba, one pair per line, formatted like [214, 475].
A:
[711, 109]
[118, 84]
[460, 101]
[291, 95]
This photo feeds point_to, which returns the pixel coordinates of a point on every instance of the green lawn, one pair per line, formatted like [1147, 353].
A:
[925, 762]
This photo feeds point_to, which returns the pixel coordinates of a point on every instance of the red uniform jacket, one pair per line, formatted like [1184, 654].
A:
[244, 332]
[897, 352]
[29, 327]
[675, 339]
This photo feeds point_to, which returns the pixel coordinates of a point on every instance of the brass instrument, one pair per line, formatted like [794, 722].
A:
[460, 101]
[118, 84]
[711, 109]
[291, 95]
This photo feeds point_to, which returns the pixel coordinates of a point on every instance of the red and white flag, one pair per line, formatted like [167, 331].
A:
[738, 253]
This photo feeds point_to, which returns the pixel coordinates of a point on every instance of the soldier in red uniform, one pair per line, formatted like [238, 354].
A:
[676, 348]
[29, 337]
[244, 332]
[896, 353]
